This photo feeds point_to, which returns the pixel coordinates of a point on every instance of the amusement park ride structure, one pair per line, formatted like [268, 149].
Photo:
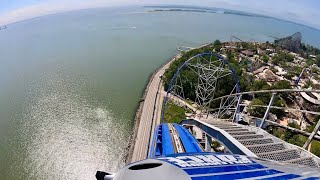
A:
[211, 67]
[251, 152]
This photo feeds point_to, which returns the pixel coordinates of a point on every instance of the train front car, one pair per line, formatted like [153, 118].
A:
[176, 154]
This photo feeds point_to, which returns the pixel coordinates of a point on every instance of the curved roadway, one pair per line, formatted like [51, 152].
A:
[150, 115]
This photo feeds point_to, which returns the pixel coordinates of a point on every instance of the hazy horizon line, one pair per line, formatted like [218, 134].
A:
[162, 5]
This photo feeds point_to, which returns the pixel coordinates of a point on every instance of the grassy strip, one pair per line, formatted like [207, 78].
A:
[315, 148]
[174, 113]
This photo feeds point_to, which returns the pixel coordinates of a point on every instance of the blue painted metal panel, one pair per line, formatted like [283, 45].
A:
[221, 169]
[205, 165]
[286, 176]
[153, 145]
[189, 142]
[215, 134]
[239, 175]
[159, 142]
[167, 144]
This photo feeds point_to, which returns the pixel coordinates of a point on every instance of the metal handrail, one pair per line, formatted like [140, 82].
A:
[269, 91]
[274, 92]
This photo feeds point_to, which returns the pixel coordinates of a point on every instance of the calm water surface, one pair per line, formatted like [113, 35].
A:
[70, 83]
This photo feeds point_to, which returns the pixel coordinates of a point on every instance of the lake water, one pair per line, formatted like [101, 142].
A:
[71, 82]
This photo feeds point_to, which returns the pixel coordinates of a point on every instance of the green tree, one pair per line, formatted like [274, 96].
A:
[310, 62]
[308, 84]
[265, 58]
[289, 57]
[257, 111]
[283, 84]
[279, 112]
[217, 45]
[245, 81]
[259, 85]
[297, 139]
[294, 125]
[297, 69]
[311, 128]
[247, 45]
[290, 75]
[318, 60]
[288, 134]
[276, 60]
[230, 57]
[293, 138]
[315, 148]
[282, 57]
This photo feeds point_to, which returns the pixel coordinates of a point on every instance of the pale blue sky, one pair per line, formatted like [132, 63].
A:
[300, 11]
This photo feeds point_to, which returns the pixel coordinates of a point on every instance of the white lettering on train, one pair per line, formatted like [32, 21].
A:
[207, 160]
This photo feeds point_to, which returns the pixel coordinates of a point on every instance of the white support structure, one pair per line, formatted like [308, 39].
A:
[208, 143]
[266, 114]
[314, 132]
[206, 70]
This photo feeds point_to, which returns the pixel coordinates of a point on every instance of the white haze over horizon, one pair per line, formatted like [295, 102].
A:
[303, 12]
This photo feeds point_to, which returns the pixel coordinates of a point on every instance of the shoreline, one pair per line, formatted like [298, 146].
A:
[138, 114]
[137, 119]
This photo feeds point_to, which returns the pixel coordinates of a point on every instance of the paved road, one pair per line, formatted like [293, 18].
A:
[150, 116]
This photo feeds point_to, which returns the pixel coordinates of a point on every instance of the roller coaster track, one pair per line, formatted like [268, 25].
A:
[222, 123]
[178, 147]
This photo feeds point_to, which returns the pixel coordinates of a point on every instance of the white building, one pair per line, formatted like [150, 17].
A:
[281, 71]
